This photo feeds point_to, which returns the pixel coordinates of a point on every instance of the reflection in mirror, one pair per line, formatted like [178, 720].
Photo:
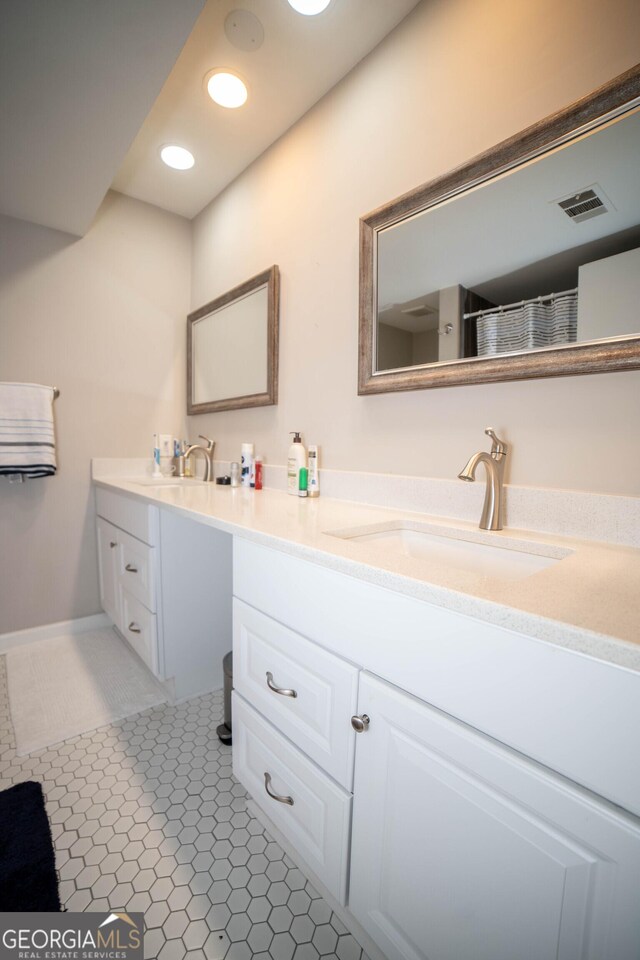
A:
[548, 254]
[505, 267]
[226, 333]
[232, 348]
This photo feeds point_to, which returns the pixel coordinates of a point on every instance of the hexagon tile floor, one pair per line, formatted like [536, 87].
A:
[146, 815]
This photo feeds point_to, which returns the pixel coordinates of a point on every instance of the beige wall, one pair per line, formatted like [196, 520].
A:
[456, 77]
[425, 346]
[103, 319]
[394, 347]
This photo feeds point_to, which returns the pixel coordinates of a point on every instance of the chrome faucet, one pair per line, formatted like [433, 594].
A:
[494, 462]
[208, 456]
[211, 445]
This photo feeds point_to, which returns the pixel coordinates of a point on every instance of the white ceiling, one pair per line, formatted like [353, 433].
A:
[77, 79]
[300, 59]
[89, 92]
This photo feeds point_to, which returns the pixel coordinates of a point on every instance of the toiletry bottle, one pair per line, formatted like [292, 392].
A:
[177, 462]
[258, 473]
[165, 442]
[297, 459]
[247, 463]
[187, 462]
[314, 479]
[303, 482]
[156, 457]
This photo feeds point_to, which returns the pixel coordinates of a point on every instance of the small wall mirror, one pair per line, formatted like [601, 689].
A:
[523, 263]
[232, 348]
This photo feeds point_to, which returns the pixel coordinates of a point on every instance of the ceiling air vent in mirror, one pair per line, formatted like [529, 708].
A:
[420, 310]
[585, 204]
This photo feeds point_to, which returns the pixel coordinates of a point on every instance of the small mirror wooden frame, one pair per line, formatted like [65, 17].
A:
[270, 278]
[602, 356]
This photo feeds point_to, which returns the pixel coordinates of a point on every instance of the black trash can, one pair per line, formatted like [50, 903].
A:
[224, 730]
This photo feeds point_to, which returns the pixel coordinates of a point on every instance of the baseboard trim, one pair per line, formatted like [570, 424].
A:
[48, 630]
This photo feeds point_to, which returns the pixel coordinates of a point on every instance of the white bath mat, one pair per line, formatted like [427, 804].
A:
[65, 686]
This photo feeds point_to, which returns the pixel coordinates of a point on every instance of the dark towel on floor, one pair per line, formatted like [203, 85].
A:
[28, 879]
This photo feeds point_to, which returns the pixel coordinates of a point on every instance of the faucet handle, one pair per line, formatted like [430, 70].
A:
[211, 443]
[498, 447]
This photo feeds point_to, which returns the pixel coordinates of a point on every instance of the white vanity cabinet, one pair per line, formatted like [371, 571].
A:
[127, 534]
[487, 807]
[165, 582]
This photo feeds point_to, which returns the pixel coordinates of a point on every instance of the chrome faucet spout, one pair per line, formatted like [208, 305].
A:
[194, 448]
[208, 457]
[494, 462]
[468, 472]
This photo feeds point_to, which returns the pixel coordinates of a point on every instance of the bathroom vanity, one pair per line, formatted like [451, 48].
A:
[165, 582]
[448, 759]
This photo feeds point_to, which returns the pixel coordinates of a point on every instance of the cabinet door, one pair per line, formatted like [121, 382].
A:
[464, 850]
[108, 566]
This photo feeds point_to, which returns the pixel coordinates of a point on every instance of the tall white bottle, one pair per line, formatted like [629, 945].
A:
[246, 456]
[297, 459]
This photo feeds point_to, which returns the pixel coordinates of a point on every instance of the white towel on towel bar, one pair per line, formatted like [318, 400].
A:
[27, 441]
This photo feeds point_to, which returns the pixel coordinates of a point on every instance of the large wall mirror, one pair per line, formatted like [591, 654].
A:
[232, 348]
[524, 262]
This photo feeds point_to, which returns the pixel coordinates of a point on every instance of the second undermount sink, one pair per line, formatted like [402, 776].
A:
[473, 551]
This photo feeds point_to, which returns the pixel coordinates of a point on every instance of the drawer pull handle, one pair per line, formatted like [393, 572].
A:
[360, 724]
[131, 569]
[134, 628]
[280, 690]
[274, 796]
[112, 544]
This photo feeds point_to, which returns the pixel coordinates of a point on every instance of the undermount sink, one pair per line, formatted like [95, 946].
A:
[472, 551]
[170, 482]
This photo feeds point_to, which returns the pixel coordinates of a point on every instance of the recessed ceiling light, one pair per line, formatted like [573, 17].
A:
[177, 157]
[309, 7]
[226, 89]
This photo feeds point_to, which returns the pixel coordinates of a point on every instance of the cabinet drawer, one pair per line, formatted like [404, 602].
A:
[139, 630]
[136, 569]
[140, 519]
[317, 822]
[269, 658]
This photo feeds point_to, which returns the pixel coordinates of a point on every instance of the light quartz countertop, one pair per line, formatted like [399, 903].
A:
[589, 601]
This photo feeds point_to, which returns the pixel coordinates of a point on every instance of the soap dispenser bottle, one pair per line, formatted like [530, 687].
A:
[297, 459]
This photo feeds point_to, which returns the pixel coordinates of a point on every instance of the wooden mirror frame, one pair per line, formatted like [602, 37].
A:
[616, 97]
[271, 277]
